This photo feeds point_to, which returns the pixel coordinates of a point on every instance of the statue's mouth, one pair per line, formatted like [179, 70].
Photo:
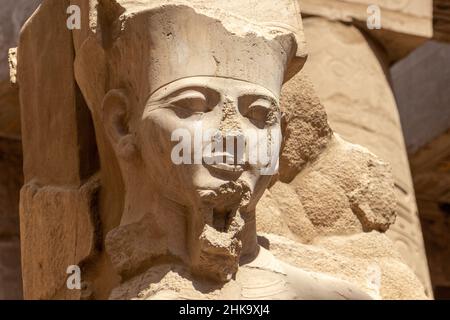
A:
[225, 164]
[226, 167]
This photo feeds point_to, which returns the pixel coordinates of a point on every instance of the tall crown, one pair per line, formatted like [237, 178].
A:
[156, 42]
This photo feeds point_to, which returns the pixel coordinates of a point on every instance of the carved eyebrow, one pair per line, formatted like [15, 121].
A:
[253, 97]
[185, 94]
[170, 96]
[209, 97]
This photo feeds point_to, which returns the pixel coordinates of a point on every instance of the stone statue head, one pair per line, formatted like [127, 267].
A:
[189, 96]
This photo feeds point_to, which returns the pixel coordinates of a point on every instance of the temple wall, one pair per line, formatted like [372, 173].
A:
[424, 105]
[405, 24]
[422, 93]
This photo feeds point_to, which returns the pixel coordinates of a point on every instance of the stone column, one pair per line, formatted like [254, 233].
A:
[349, 72]
[58, 199]
[423, 100]
[12, 16]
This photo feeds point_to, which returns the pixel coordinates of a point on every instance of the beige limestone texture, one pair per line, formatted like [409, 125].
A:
[57, 227]
[405, 24]
[207, 235]
[58, 200]
[63, 106]
[348, 71]
[366, 259]
[425, 117]
[341, 234]
[403, 16]
[323, 232]
[12, 16]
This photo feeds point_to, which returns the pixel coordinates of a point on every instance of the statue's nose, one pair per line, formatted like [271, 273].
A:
[230, 123]
[232, 135]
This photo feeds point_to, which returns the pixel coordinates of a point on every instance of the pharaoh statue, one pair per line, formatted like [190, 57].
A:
[140, 223]
[188, 230]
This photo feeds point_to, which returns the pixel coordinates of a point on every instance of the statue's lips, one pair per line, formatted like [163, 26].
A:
[226, 167]
[218, 161]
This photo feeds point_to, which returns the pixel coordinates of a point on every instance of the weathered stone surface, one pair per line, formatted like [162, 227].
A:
[366, 259]
[57, 204]
[339, 234]
[57, 226]
[129, 251]
[51, 135]
[405, 16]
[12, 15]
[355, 188]
[357, 180]
[356, 193]
[405, 25]
[349, 75]
[190, 221]
[281, 212]
[305, 117]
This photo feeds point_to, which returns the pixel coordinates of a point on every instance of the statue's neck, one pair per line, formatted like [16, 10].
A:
[249, 240]
[143, 199]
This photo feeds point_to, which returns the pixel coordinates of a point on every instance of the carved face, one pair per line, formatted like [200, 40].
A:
[203, 115]
[205, 142]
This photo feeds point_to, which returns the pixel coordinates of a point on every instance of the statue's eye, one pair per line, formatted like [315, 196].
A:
[190, 102]
[259, 112]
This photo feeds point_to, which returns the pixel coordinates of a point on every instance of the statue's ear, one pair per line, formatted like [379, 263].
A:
[115, 109]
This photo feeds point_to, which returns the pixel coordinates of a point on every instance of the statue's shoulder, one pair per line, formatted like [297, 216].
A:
[287, 281]
[173, 282]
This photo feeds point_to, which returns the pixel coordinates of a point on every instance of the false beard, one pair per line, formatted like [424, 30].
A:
[219, 244]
